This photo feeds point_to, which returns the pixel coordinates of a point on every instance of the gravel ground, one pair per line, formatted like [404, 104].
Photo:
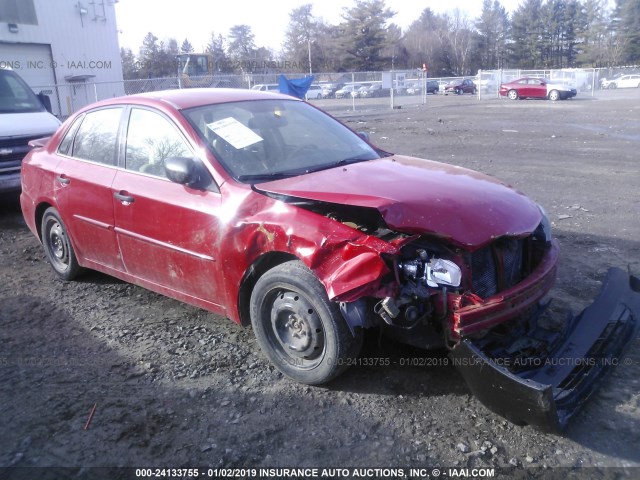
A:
[175, 386]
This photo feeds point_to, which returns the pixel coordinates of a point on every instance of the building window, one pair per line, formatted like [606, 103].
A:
[18, 11]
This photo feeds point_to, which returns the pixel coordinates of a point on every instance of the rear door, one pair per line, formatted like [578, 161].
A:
[83, 185]
[167, 232]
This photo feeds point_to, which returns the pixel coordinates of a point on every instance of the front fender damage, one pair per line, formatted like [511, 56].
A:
[355, 270]
[547, 388]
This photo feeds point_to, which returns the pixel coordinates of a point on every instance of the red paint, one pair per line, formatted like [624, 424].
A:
[199, 246]
[422, 197]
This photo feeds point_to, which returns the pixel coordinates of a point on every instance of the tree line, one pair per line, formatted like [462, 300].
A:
[539, 34]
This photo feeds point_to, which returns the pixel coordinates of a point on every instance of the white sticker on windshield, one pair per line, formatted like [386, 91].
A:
[234, 132]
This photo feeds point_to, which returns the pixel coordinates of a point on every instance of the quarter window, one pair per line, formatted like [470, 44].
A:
[65, 144]
[97, 136]
[151, 139]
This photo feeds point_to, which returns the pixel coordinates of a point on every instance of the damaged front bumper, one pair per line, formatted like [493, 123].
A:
[512, 377]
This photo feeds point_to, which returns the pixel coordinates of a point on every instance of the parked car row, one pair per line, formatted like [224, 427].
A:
[375, 89]
[526, 87]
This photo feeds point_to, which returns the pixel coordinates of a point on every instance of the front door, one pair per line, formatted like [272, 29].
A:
[167, 232]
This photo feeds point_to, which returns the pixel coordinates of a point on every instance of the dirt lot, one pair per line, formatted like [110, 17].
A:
[176, 386]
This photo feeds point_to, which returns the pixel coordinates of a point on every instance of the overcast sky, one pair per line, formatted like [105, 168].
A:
[196, 19]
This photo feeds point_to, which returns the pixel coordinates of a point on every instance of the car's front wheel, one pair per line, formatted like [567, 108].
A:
[57, 246]
[298, 328]
[554, 95]
[512, 94]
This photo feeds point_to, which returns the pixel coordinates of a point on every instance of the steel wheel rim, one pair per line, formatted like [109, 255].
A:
[295, 328]
[58, 245]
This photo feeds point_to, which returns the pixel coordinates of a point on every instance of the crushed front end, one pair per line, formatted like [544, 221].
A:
[467, 272]
[485, 306]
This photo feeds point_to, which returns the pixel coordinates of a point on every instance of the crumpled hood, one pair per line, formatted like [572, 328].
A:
[421, 197]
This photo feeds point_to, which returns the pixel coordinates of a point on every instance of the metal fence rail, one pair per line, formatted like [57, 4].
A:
[408, 86]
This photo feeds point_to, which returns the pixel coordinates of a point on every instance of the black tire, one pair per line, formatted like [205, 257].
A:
[554, 95]
[57, 246]
[512, 95]
[301, 332]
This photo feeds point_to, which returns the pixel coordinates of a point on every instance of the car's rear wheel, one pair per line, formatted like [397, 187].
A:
[57, 246]
[554, 95]
[298, 328]
[512, 94]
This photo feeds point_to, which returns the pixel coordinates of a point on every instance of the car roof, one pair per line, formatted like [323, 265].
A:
[192, 97]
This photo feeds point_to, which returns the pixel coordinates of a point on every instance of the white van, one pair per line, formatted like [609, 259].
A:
[23, 118]
[266, 87]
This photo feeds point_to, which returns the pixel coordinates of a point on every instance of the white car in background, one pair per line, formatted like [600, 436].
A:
[626, 81]
[314, 92]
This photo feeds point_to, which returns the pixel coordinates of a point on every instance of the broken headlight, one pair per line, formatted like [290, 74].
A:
[432, 272]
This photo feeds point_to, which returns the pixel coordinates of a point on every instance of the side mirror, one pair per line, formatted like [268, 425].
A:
[180, 169]
[45, 100]
[364, 136]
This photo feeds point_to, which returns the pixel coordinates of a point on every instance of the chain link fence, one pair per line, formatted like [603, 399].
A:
[339, 91]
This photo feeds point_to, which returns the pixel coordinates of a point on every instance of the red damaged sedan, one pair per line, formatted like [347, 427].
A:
[262, 208]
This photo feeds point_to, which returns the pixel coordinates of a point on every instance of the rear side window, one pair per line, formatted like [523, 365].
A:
[97, 136]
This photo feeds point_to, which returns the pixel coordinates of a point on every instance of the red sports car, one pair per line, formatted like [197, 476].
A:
[262, 208]
[536, 88]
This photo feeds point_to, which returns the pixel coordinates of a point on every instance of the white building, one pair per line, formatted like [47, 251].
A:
[73, 43]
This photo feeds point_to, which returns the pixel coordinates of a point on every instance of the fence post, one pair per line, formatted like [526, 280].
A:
[353, 98]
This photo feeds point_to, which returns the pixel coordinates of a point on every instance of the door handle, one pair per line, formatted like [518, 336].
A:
[63, 179]
[123, 197]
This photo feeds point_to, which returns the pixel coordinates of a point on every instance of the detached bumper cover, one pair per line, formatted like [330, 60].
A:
[551, 388]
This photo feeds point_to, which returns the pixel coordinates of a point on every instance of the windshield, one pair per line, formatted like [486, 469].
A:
[16, 96]
[263, 140]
